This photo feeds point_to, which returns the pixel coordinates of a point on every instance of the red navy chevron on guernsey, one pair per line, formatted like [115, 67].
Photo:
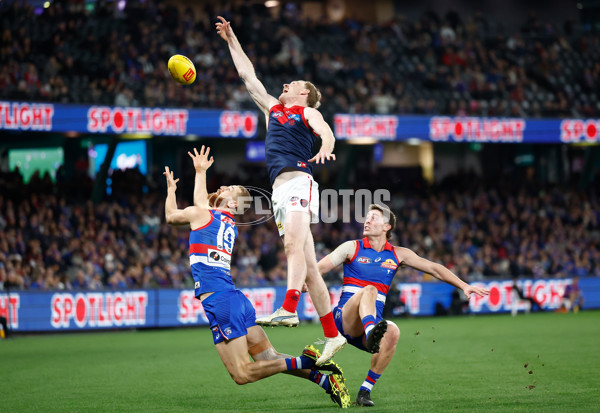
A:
[289, 141]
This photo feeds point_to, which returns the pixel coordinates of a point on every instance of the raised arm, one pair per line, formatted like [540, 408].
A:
[201, 165]
[341, 254]
[408, 257]
[194, 216]
[173, 215]
[245, 68]
[318, 124]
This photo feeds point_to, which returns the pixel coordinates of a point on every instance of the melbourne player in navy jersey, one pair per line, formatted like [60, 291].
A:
[231, 316]
[293, 125]
[370, 265]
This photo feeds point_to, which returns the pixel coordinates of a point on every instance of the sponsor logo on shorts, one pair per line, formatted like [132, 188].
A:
[389, 263]
[364, 260]
[304, 203]
[227, 331]
[197, 284]
[301, 164]
[280, 226]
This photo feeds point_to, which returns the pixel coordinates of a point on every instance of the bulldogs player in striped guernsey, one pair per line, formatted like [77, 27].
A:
[293, 124]
[370, 265]
[231, 315]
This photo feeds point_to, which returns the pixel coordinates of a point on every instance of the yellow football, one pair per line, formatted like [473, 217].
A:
[182, 69]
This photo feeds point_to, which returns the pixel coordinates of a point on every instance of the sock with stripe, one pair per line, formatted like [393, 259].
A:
[290, 303]
[321, 379]
[370, 381]
[368, 324]
[299, 363]
[328, 323]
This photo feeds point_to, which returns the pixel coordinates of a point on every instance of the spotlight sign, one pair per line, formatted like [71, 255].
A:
[50, 117]
[466, 129]
[93, 310]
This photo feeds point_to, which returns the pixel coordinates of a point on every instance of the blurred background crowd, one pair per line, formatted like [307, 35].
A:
[440, 63]
[49, 241]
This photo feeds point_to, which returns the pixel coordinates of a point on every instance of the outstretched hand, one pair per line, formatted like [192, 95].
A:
[480, 291]
[171, 182]
[224, 29]
[322, 156]
[201, 161]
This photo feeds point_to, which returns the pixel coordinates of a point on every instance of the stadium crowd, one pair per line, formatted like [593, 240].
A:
[442, 64]
[50, 241]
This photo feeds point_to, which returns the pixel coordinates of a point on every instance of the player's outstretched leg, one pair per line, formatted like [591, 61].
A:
[280, 317]
[375, 335]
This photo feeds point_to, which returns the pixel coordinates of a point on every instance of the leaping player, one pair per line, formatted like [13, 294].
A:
[370, 265]
[229, 312]
[293, 124]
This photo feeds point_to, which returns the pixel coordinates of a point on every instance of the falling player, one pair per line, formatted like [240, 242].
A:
[230, 314]
[369, 268]
[293, 124]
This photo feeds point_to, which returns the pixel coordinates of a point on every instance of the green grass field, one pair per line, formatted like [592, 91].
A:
[441, 365]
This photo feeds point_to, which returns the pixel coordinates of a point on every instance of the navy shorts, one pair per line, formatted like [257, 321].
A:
[355, 341]
[230, 314]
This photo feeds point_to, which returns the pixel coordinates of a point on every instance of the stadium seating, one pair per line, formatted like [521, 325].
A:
[436, 64]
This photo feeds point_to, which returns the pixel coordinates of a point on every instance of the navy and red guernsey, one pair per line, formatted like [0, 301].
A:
[210, 253]
[289, 141]
[369, 267]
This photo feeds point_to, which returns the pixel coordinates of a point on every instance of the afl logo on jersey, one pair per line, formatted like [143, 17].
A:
[277, 114]
[364, 260]
[389, 263]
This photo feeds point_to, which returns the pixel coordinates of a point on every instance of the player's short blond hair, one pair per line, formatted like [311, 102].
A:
[314, 95]
[388, 215]
[244, 199]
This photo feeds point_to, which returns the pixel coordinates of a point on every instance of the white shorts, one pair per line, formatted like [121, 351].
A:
[298, 194]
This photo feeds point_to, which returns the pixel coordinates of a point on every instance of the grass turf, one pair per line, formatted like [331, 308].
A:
[543, 362]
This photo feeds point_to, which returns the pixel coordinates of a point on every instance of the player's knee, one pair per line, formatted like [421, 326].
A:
[240, 378]
[370, 290]
[392, 333]
[291, 245]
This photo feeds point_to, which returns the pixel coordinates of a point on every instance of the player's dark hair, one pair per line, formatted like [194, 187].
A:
[314, 95]
[388, 215]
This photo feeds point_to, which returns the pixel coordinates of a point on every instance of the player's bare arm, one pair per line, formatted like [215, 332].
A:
[194, 216]
[201, 165]
[341, 254]
[245, 68]
[411, 259]
[318, 124]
